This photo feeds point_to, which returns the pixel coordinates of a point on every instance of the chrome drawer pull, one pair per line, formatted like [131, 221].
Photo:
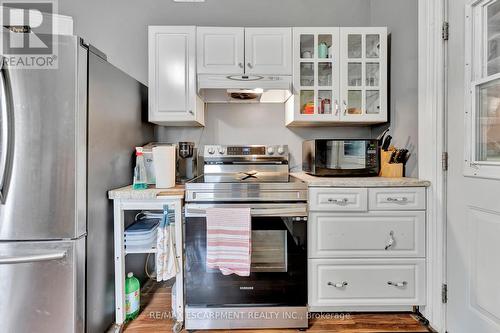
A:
[391, 240]
[338, 284]
[338, 201]
[397, 284]
[403, 199]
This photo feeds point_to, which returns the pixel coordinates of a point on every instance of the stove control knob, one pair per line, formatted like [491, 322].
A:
[211, 150]
[270, 150]
[221, 150]
[281, 150]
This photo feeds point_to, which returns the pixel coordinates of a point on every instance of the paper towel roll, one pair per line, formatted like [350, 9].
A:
[164, 164]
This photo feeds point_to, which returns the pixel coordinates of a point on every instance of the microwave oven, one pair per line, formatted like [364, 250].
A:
[341, 157]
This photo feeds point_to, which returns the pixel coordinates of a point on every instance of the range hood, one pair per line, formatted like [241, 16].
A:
[244, 88]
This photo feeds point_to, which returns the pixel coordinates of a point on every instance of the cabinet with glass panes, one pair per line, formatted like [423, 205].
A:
[363, 74]
[316, 72]
[339, 76]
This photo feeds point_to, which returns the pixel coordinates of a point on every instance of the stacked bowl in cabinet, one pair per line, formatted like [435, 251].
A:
[366, 248]
[141, 235]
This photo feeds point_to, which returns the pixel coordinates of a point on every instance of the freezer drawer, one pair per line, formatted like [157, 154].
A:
[43, 286]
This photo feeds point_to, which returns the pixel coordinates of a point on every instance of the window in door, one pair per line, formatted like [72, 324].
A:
[488, 122]
[482, 114]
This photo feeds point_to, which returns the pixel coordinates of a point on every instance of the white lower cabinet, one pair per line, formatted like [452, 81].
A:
[366, 282]
[367, 251]
[374, 234]
[407, 198]
[341, 199]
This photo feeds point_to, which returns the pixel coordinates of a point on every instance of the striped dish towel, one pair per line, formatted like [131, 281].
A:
[229, 242]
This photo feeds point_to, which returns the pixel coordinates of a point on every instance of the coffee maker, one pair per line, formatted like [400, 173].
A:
[187, 162]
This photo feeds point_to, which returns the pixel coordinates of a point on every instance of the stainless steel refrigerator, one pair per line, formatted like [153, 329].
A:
[66, 138]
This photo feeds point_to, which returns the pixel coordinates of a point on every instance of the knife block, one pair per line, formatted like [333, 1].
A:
[390, 170]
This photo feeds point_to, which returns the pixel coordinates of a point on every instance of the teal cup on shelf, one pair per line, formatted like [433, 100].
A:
[323, 50]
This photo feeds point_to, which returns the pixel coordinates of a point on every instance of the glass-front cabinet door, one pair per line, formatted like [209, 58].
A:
[316, 74]
[363, 75]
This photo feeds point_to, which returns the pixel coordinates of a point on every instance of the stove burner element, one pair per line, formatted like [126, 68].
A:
[248, 175]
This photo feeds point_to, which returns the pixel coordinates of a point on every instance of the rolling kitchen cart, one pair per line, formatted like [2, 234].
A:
[126, 199]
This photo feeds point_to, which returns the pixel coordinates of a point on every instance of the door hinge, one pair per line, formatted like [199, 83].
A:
[445, 30]
[444, 293]
[444, 161]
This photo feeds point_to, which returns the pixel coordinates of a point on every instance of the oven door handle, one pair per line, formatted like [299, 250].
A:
[256, 162]
[278, 211]
[286, 211]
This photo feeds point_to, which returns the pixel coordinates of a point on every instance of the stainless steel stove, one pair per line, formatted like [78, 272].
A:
[246, 173]
[275, 293]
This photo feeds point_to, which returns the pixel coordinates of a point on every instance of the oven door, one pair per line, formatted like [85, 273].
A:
[279, 259]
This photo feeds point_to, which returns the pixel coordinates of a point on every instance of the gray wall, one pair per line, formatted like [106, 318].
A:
[255, 124]
[119, 28]
[400, 16]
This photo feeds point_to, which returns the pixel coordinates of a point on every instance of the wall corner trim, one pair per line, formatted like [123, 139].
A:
[431, 145]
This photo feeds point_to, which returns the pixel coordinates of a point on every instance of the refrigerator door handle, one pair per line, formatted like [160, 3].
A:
[6, 134]
[6, 260]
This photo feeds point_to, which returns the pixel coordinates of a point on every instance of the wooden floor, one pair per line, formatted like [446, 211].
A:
[155, 317]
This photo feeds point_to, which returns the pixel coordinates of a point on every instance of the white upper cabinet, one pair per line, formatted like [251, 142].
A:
[268, 51]
[364, 74]
[220, 50]
[340, 76]
[238, 51]
[316, 76]
[172, 77]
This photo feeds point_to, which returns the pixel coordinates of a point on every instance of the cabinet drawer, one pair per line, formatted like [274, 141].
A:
[338, 199]
[374, 234]
[366, 282]
[399, 198]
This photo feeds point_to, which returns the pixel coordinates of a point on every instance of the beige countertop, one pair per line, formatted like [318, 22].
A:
[313, 181]
[178, 191]
[150, 193]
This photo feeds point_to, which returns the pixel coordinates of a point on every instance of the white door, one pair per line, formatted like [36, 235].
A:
[220, 50]
[268, 51]
[473, 190]
[363, 74]
[172, 77]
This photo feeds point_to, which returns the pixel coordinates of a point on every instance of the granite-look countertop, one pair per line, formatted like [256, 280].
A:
[313, 181]
[150, 193]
